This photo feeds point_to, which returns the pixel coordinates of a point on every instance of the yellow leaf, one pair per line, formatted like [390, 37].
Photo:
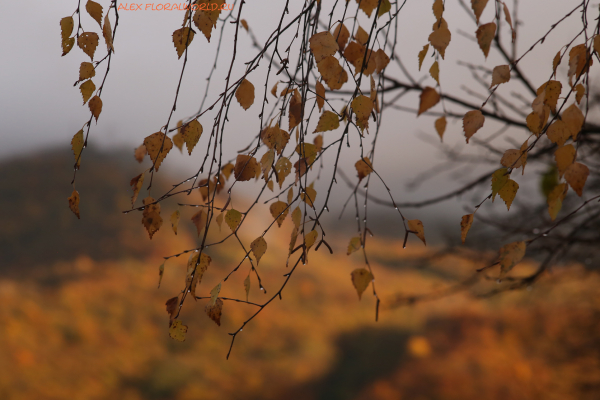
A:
[478, 6]
[508, 192]
[66, 27]
[555, 199]
[310, 239]
[283, 167]
[95, 105]
[558, 132]
[297, 217]
[323, 44]
[552, 91]
[510, 255]
[573, 119]
[95, 11]
[512, 158]
[140, 153]
[320, 90]
[307, 150]
[214, 294]
[151, 218]
[354, 245]
[207, 20]
[266, 162]
[472, 122]
[233, 219]
[332, 72]
[565, 156]
[362, 107]
[422, 55]
[74, 203]
[247, 286]
[246, 167]
[416, 226]
[196, 272]
[77, 147]
[576, 176]
[191, 134]
[500, 74]
[485, 34]
[429, 98]
[175, 220]
[499, 179]
[107, 33]
[177, 330]
[67, 45]
[363, 167]
[434, 71]
[158, 146]
[440, 37]
[438, 9]
[136, 184]
[328, 121]
[381, 60]
[309, 196]
[440, 126]
[534, 123]
[86, 71]
[245, 94]
[88, 41]
[279, 210]
[259, 248]
[341, 35]
[275, 138]
[87, 88]
[199, 219]
[361, 278]
[465, 226]
[182, 38]
[578, 61]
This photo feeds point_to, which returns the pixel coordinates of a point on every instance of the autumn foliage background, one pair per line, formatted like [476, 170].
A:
[82, 316]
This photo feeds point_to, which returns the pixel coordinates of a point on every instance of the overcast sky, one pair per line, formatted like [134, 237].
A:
[40, 107]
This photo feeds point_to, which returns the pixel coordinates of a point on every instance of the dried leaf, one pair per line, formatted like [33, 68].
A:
[361, 278]
[246, 167]
[214, 294]
[508, 192]
[500, 74]
[332, 72]
[283, 167]
[107, 33]
[86, 71]
[175, 220]
[341, 35]
[88, 41]
[310, 239]
[182, 38]
[275, 138]
[552, 91]
[354, 245]
[438, 9]
[245, 94]
[485, 34]
[555, 63]
[95, 11]
[429, 98]
[558, 132]
[171, 305]
[416, 226]
[214, 311]
[297, 217]
[259, 248]
[199, 220]
[140, 152]
[328, 121]
[573, 119]
[361, 36]
[320, 90]
[499, 179]
[422, 55]
[233, 219]
[87, 88]
[576, 176]
[465, 226]
[510, 255]
[434, 71]
[95, 105]
[295, 114]
[362, 107]
[555, 199]
[77, 147]
[440, 126]
[565, 156]
[508, 19]
[151, 218]
[74, 203]
[381, 60]
[478, 6]
[580, 89]
[472, 122]
[279, 210]
[363, 167]
[323, 44]
[136, 184]
[191, 134]
[66, 27]
[67, 45]
[512, 158]
[177, 330]
[158, 146]
[309, 195]
[367, 6]
[440, 37]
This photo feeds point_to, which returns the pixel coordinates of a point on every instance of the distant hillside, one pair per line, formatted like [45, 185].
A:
[37, 227]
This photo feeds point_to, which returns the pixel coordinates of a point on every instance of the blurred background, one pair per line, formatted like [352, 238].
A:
[81, 313]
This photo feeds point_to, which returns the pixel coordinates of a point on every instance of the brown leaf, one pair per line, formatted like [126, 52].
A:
[214, 311]
[472, 122]
[363, 167]
[434, 71]
[177, 330]
[499, 178]
[172, 306]
[323, 44]
[478, 6]
[341, 35]
[465, 226]
[320, 90]
[508, 192]
[295, 114]
[440, 126]
[191, 134]
[233, 219]
[573, 119]
[95, 105]
[440, 37]
[279, 210]
[86, 71]
[485, 34]
[275, 138]
[259, 248]
[199, 219]
[245, 94]
[66, 27]
[77, 147]
[95, 11]
[246, 167]
[67, 45]
[140, 153]
[182, 38]
[283, 167]
[576, 176]
[158, 146]
[74, 203]
[555, 199]
[565, 156]
[309, 196]
[88, 41]
[510, 255]
[438, 9]
[175, 220]
[107, 33]
[558, 132]
[381, 60]
[416, 226]
[332, 72]
[136, 184]
[429, 98]
[87, 88]
[151, 218]
[500, 74]
[422, 55]
[361, 278]
[512, 158]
